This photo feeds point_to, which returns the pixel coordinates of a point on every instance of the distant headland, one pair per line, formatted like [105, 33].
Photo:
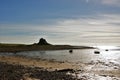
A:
[41, 45]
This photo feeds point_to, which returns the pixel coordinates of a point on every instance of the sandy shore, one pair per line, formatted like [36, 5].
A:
[47, 64]
[78, 71]
[22, 68]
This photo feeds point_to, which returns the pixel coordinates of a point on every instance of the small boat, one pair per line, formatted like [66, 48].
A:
[97, 52]
[70, 51]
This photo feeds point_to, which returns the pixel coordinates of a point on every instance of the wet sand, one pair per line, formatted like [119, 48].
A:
[47, 64]
[39, 69]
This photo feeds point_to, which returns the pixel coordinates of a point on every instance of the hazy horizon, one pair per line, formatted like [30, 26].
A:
[73, 22]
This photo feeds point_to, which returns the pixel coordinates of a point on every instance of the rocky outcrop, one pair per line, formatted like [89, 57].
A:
[42, 41]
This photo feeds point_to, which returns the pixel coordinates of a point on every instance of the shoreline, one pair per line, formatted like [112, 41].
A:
[75, 71]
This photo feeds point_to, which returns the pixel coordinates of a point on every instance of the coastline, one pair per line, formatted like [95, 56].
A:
[20, 48]
[27, 68]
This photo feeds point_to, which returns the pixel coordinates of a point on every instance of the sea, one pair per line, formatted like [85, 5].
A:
[78, 55]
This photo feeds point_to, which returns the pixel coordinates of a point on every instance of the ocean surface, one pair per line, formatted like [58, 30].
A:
[78, 55]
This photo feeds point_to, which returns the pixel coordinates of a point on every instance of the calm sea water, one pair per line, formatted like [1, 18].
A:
[78, 55]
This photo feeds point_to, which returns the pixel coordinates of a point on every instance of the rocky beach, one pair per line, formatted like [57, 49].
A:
[21, 68]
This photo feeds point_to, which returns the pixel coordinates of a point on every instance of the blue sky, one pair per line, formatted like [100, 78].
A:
[76, 22]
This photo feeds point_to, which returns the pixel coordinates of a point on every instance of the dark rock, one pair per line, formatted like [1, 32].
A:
[66, 70]
[70, 51]
[42, 41]
[106, 50]
[97, 52]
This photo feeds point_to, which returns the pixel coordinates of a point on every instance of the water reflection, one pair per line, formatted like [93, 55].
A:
[79, 55]
[106, 47]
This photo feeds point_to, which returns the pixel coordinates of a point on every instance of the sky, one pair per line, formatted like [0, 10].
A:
[75, 22]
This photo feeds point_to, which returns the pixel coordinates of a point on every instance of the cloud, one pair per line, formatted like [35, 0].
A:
[100, 28]
[87, 1]
[111, 2]
[106, 2]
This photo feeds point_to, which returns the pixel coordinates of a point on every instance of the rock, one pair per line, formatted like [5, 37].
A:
[66, 70]
[70, 51]
[97, 52]
[42, 41]
[106, 50]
